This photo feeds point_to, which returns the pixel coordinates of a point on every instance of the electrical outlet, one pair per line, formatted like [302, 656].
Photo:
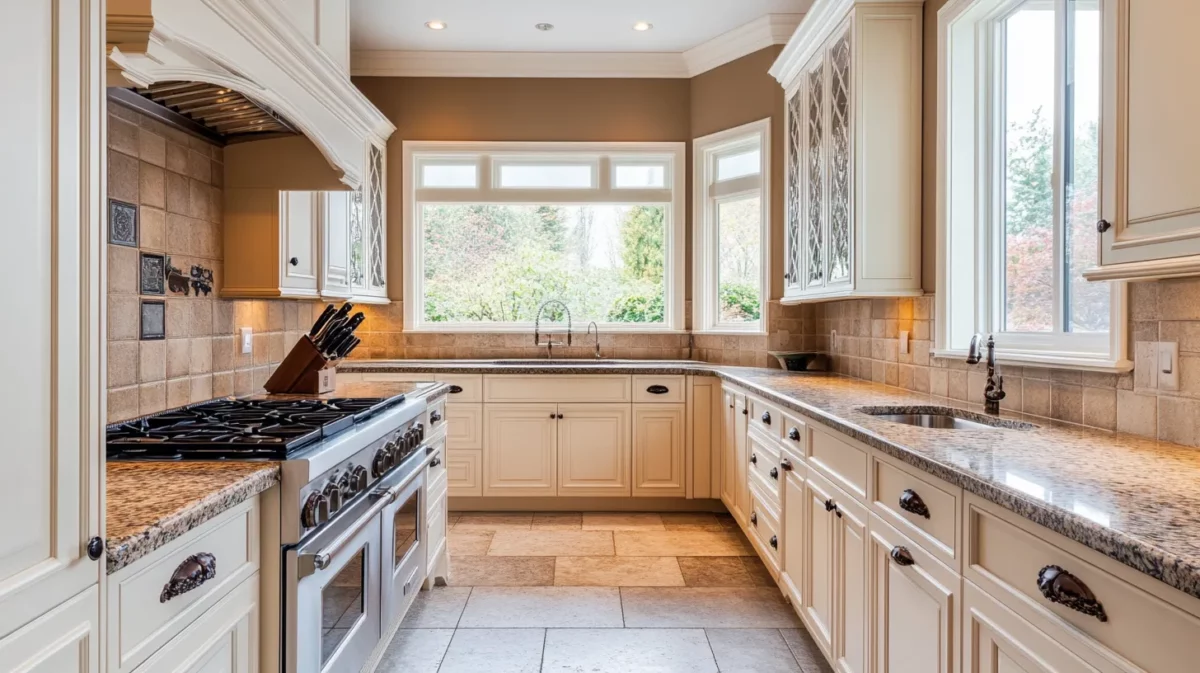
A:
[247, 340]
[904, 342]
[1168, 365]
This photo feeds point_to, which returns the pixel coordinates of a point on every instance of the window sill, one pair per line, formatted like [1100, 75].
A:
[555, 328]
[1047, 360]
[729, 332]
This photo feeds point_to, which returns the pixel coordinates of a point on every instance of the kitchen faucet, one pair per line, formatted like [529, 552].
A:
[589, 331]
[550, 343]
[994, 391]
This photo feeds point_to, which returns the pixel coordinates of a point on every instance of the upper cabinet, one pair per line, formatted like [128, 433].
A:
[852, 76]
[369, 230]
[1150, 203]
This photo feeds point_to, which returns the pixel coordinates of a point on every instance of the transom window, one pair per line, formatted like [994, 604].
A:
[495, 230]
[1019, 183]
[731, 239]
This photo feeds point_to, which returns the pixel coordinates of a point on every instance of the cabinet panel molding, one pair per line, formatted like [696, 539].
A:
[658, 450]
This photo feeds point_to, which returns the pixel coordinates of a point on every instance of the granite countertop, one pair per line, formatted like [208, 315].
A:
[1132, 499]
[152, 503]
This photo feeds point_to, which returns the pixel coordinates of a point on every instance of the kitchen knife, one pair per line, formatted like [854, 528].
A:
[325, 316]
[348, 346]
[339, 343]
[336, 320]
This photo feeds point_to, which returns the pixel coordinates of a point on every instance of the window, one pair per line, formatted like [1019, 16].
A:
[731, 275]
[492, 231]
[1019, 183]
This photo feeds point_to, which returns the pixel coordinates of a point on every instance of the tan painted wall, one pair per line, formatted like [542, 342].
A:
[929, 153]
[292, 163]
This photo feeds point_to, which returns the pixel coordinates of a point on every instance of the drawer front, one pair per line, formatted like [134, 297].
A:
[794, 438]
[435, 419]
[141, 621]
[659, 389]
[436, 473]
[224, 639]
[764, 524]
[763, 466]
[464, 472]
[766, 417]
[463, 387]
[919, 507]
[1007, 561]
[464, 426]
[437, 530]
[599, 388]
[842, 462]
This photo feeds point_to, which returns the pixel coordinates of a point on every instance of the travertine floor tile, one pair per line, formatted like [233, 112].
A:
[415, 651]
[617, 571]
[496, 651]
[706, 607]
[714, 571]
[438, 608]
[757, 570]
[690, 521]
[622, 521]
[748, 651]
[557, 520]
[806, 651]
[680, 543]
[543, 607]
[727, 521]
[551, 543]
[627, 651]
[501, 571]
[469, 543]
[493, 521]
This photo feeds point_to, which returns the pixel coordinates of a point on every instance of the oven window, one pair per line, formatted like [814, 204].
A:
[405, 526]
[342, 604]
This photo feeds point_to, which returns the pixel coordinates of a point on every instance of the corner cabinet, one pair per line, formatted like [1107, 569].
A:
[1150, 207]
[853, 76]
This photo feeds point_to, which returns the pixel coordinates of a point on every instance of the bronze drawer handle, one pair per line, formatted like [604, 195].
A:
[454, 390]
[829, 506]
[911, 502]
[194, 571]
[658, 390]
[754, 518]
[786, 465]
[1060, 586]
[775, 542]
[794, 434]
[774, 473]
[434, 417]
[754, 459]
[902, 556]
[766, 417]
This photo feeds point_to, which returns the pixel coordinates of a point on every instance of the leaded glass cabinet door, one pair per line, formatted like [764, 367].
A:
[814, 174]
[794, 114]
[358, 243]
[376, 271]
[840, 161]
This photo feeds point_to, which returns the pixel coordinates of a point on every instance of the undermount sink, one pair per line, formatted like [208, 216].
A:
[944, 418]
[534, 362]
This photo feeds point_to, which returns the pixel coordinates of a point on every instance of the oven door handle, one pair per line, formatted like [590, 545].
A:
[309, 563]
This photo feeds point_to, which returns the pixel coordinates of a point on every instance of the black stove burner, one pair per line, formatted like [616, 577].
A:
[266, 429]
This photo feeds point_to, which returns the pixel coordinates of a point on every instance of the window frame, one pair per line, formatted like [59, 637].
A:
[969, 207]
[709, 193]
[489, 156]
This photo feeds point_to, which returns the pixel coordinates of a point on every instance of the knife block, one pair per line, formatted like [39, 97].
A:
[304, 371]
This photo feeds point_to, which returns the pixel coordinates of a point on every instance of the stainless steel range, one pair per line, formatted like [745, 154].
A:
[352, 504]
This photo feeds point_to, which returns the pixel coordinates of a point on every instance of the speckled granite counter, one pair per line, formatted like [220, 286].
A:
[1133, 499]
[151, 503]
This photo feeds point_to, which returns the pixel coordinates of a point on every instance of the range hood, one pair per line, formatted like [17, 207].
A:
[224, 62]
[219, 114]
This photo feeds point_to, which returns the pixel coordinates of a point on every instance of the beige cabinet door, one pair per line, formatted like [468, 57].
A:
[794, 541]
[658, 450]
[222, 640]
[593, 449]
[53, 410]
[914, 606]
[334, 230]
[820, 571]
[850, 563]
[64, 640]
[299, 223]
[520, 449]
[729, 451]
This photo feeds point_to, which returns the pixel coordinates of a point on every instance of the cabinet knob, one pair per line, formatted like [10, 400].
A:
[774, 542]
[560, 416]
[1103, 226]
[912, 503]
[295, 261]
[902, 556]
[1060, 586]
[786, 465]
[434, 417]
[766, 417]
[794, 434]
[435, 462]
[745, 412]
[95, 548]
[829, 506]
[754, 458]
[754, 518]
[774, 473]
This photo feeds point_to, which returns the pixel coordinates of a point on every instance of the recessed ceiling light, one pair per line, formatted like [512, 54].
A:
[642, 26]
[544, 26]
[435, 25]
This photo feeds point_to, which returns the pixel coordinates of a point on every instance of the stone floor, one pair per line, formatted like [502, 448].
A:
[601, 593]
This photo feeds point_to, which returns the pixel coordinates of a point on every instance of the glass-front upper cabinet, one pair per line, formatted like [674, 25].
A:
[368, 231]
[794, 121]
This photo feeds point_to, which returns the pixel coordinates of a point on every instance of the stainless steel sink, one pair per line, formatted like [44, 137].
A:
[534, 362]
[944, 418]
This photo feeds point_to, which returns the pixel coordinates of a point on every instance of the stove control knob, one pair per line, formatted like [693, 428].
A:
[411, 440]
[358, 479]
[315, 511]
[381, 463]
[333, 494]
[420, 428]
[345, 484]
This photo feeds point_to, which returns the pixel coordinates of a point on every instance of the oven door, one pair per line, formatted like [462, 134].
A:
[403, 548]
[332, 606]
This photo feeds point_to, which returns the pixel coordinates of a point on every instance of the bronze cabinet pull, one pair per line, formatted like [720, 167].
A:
[434, 417]
[794, 434]
[95, 548]
[754, 518]
[658, 390]
[774, 473]
[194, 571]
[786, 465]
[775, 542]
[754, 458]
[1060, 586]
[829, 506]
[912, 503]
[902, 556]
[454, 390]
[766, 417]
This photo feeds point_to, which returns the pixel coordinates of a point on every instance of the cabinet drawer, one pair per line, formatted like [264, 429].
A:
[659, 389]
[143, 615]
[436, 473]
[469, 387]
[920, 507]
[1006, 560]
[765, 417]
[764, 524]
[763, 466]
[464, 426]
[464, 472]
[225, 638]
[435, 419]
[842, 462]
[437, 530]
[794, 438]
[599, 388]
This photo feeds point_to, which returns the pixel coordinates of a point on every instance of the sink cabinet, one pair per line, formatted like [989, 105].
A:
[521, 450]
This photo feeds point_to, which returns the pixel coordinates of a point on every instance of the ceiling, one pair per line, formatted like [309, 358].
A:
[579, 25]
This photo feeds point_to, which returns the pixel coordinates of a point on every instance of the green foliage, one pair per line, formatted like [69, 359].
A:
[638, 308]
[642, 240]
[739, 302]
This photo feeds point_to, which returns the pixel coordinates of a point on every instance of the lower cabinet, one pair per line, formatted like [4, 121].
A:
[820, 563]
[594, 449]
[464, 472]
[795, 542]
[851, 560]
[658, 450]
[735, 490]
[222, 640]
[64, 640]
[520, 450]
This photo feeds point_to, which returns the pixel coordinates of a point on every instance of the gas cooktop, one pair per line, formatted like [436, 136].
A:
[265, 429]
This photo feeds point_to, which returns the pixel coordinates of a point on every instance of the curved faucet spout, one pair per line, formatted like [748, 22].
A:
[550, 343]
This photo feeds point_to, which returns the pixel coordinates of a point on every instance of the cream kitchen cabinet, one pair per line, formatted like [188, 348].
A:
[520, 448]
[658, 450]
[593, 449]
[1150, 207]
[368, 231]
[225, 639]
[852, 75]
[734, 486]
[335, 245]
[272, 244]
[52, 557]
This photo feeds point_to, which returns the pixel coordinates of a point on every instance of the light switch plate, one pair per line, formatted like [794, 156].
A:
[904, 342]
[1168, 365]
[247, 340]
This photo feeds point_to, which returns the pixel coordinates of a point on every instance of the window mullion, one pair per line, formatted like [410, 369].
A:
[1058, 181]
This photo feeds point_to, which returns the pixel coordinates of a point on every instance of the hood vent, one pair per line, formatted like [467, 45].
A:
[223, 112]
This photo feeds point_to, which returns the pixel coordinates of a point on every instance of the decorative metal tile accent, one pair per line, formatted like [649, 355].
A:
[122, 223]
[153, 274]
[154, 320]
[177, 281]
[814, 233]
[839, 161]
[375, 215]
[794, 113]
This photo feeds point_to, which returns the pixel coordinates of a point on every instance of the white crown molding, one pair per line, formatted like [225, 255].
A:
[763, 32]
